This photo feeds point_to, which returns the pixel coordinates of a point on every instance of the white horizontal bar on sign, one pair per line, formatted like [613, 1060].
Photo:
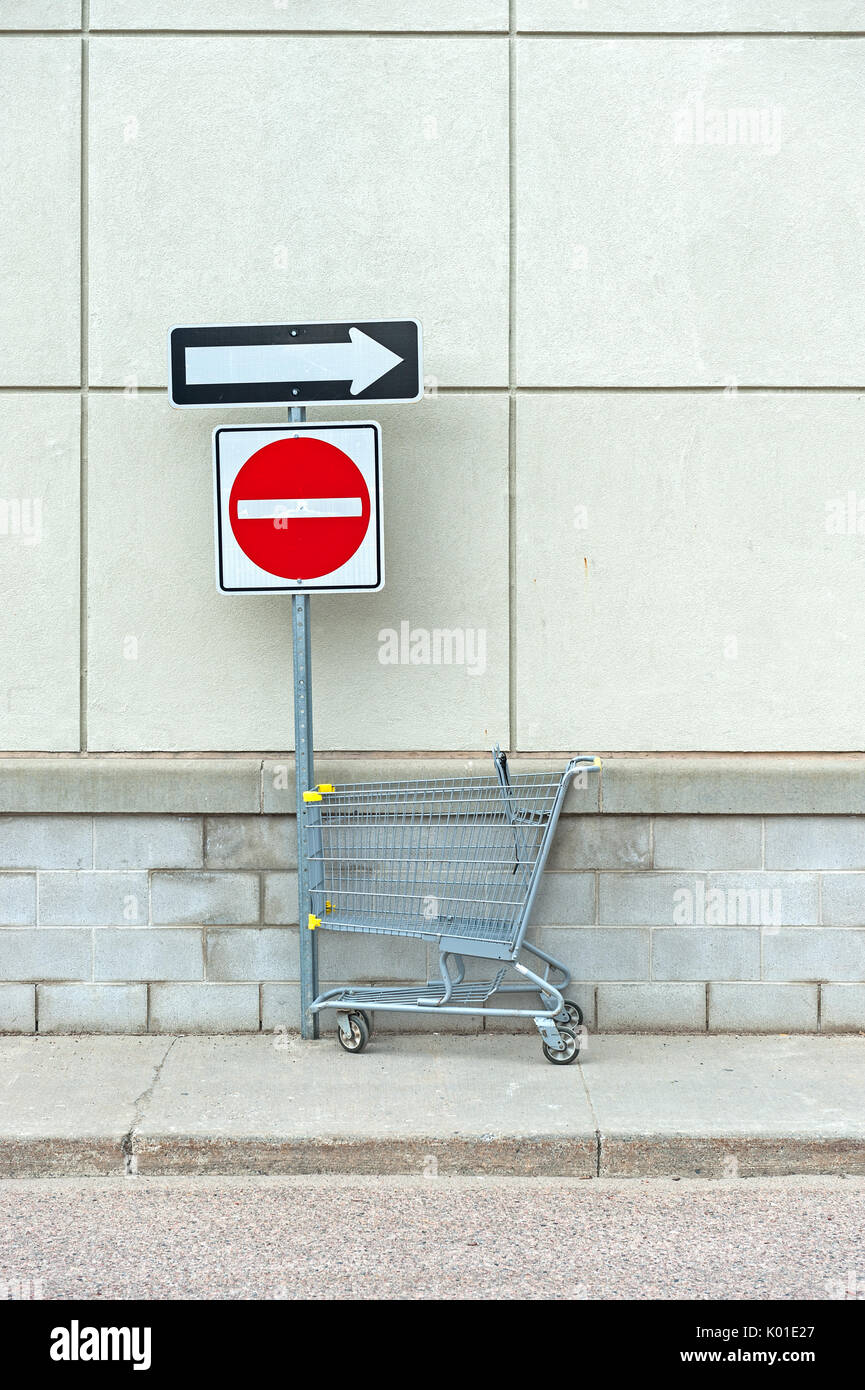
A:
[271, 509]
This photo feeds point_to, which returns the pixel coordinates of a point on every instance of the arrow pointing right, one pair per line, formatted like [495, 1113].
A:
[362, 361]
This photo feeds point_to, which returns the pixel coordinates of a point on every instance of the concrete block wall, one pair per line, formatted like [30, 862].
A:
[128, 920]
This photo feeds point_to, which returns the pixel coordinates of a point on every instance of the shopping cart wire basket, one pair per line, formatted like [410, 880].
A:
[453, 861]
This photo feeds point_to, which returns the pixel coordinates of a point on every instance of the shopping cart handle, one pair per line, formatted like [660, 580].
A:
[588, 760]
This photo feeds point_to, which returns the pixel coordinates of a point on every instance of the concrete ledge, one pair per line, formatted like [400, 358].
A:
[278, 784]
[654, 784]
[179, 785]
[744, 784]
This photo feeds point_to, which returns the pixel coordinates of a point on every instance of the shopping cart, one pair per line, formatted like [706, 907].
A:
[456, 862]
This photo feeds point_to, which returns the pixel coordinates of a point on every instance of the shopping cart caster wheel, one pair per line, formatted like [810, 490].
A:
[569, 1053]
[575, 1013]
[359, 1026]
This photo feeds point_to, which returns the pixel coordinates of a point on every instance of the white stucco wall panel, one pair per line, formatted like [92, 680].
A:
[390, 15]
[175, 665]
[689, 16]
[241, 180]
[710, 595]
[39, 571]
[40, 14]
[39, 224]
[650, 253]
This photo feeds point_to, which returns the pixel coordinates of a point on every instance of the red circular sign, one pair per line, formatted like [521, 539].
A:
[299, 508]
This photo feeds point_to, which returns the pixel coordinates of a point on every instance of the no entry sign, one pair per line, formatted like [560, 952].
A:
[298, 508]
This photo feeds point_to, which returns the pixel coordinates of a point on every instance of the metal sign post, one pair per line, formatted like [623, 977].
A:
[303, 774]
[326, 535]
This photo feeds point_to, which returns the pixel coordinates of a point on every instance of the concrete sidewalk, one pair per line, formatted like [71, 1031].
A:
[697, 1105]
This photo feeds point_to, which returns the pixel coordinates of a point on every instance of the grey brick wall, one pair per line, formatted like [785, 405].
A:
[670, 919]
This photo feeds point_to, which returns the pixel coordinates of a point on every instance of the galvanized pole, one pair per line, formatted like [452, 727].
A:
[304, 774]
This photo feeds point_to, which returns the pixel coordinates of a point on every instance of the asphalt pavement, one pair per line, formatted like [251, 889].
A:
[432, 1238]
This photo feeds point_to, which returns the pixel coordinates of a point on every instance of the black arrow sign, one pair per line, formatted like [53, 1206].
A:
[296, 363]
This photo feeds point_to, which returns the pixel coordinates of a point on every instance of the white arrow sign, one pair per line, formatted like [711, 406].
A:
[253, 364]
[360, 361]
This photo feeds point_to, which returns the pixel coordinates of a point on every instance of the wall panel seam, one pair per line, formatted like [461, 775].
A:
[571, 35]
[84, 374]
[512, 377]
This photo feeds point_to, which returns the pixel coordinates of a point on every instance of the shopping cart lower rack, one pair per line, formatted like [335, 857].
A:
[456, 862]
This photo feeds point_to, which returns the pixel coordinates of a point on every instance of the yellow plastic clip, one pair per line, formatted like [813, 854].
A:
[312, 921]
[596, 761]
[326, 787]
[328, 907]
[312, 796]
